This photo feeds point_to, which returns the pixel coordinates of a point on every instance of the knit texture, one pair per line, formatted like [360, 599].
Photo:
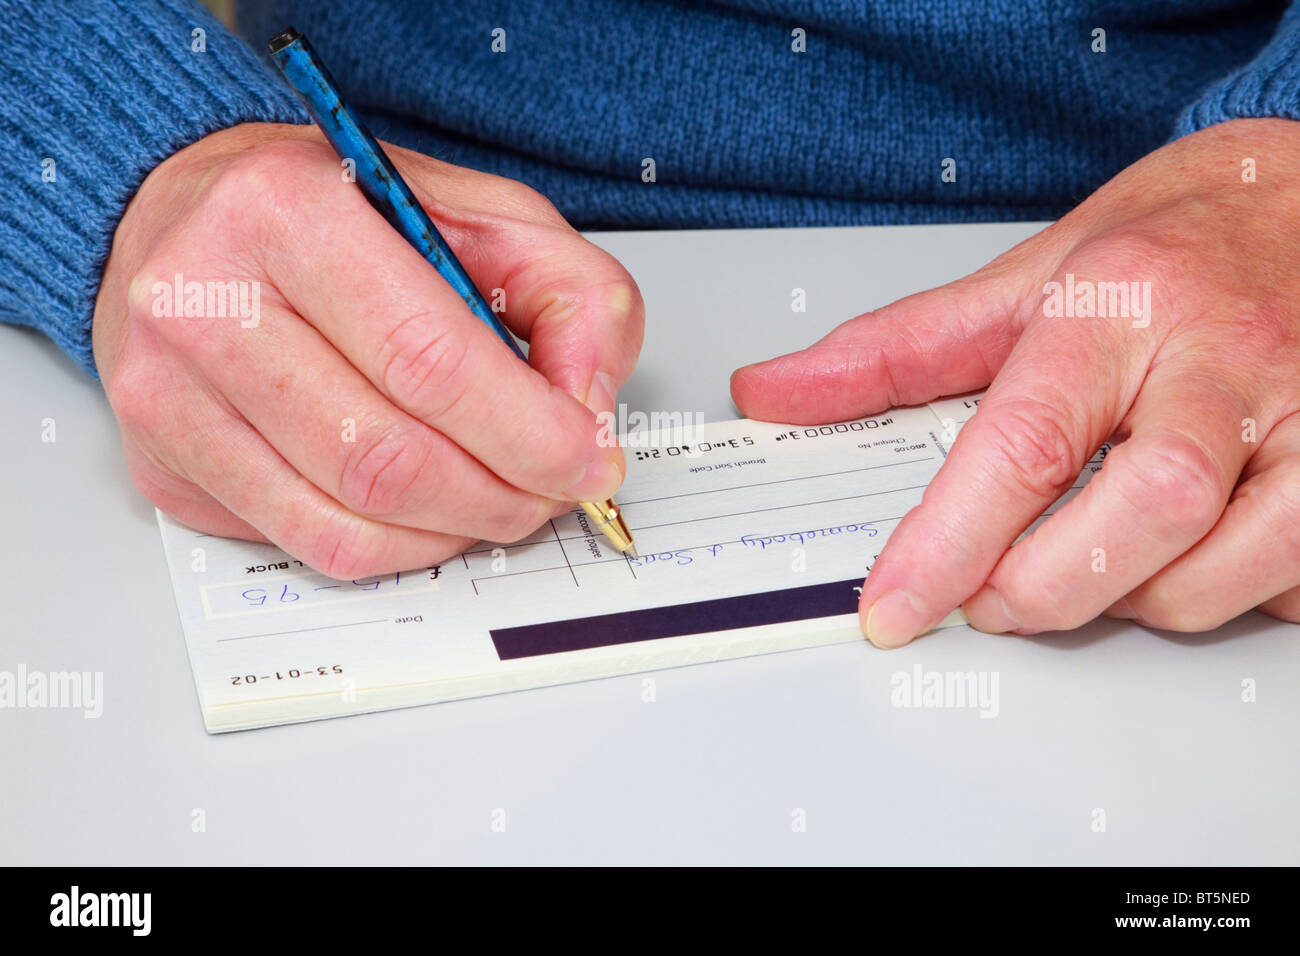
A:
[742, 128]
[93, 95]
[1269, 85]
[745, 131]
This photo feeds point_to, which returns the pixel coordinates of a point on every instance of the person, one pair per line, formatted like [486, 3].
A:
[150, 149]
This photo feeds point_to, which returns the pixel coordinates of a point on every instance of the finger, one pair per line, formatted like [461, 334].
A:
[229, 460]
[1285, 606]
[1056, 399]
[578, 308]
[1159, 492]
[399, 323]
[183, 500]
[1251, 558]
[338, 432]
[156, 395]
[472, 190]
[944, 341]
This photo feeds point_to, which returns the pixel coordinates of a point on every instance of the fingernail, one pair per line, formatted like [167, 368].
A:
[987, 611]
[601, 393]
[1122, 608]
[599, 481]
[895, 619]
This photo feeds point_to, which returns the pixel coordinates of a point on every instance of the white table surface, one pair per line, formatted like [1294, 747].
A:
[1150, 727]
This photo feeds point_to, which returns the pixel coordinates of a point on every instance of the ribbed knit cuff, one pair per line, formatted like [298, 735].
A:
[1268, 86]
[93, 95]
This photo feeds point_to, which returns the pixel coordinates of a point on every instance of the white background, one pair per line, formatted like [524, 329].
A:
[1148, 726]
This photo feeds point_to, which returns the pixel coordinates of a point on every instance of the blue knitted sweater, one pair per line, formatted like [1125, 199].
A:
[754, 112]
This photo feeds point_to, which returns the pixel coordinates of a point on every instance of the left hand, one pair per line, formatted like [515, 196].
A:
[1195, 517]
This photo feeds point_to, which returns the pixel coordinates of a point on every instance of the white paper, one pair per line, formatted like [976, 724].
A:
[731, 509]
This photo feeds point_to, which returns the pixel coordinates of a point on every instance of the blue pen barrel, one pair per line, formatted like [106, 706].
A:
[378, 179]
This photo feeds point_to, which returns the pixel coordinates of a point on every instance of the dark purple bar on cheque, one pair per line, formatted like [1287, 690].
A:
[698, 617]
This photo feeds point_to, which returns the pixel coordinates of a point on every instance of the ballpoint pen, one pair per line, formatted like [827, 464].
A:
[389, 194]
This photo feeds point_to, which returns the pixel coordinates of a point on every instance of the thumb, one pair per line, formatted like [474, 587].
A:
[944, 341]
[576, 306]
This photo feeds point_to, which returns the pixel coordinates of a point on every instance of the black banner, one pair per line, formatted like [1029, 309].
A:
[915, 908]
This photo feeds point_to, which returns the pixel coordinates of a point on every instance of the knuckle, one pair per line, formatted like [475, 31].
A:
[1132, 255]
[265, 187]
[1135, 272]
[601, 295]
[379, 474]
[1284, 499]
[423, 365]
[157, 298]
[905, 351]
[153, 485]
[1037, 446]
[522, 199]
[150, 401]
[1175, 478]
[927, 527]
[264, 172]
[624, 305]
[1151, 258]
[131, 398]
[342, 550]
[1040, 602]
[143, 293]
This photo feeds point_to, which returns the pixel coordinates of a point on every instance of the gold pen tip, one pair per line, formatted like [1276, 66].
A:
[631, 551]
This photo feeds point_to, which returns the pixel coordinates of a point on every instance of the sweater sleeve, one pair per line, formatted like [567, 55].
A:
[93, 95]
[1267, 86]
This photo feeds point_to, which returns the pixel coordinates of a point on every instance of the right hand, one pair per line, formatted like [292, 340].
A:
[368, 422]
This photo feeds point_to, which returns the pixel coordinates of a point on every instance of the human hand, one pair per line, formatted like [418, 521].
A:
[353, 411]
[1195, 517]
